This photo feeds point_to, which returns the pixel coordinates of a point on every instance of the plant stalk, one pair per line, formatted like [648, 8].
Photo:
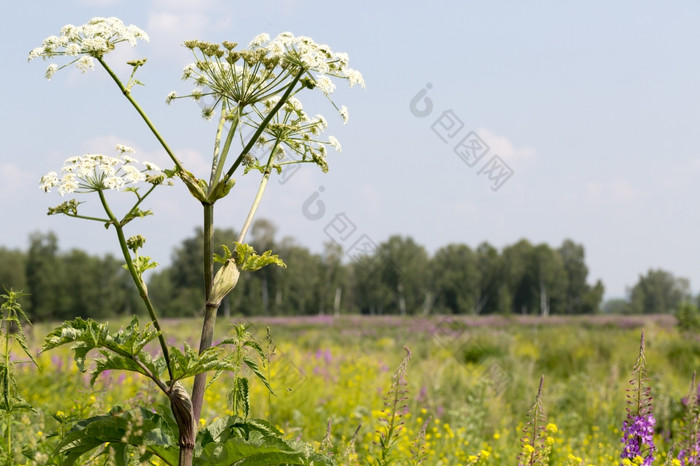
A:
[210, 310]
[156, 133]
[140, 285]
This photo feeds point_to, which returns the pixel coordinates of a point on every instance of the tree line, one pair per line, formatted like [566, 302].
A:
[397, 277]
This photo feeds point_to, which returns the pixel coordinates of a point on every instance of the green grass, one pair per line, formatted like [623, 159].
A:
[475, 379]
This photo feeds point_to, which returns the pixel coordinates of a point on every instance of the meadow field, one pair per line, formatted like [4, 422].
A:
[470, 384]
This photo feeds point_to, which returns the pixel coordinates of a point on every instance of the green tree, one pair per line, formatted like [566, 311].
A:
[658, 292]
[298, 289]
[13, 269]
[550, 279]
[334, 279]
[404, 268]
[262, 235]
[615, 306]
[581, 298]
[83, 300]
[44, 276]
[371, 294]
[493, 289]
[523, 285]
[456, 279]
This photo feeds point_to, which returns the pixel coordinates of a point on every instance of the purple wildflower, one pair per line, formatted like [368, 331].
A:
[638, 437]
[638, 428]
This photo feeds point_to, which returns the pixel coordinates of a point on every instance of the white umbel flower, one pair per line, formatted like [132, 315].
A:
[83, 43]
[98, 172]
[335, 143]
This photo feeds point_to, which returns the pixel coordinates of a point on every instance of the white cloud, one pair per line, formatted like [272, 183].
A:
[173, 28]
[104, 144]
[191, 159]
[501, 146]
[171, 23]
[617, 190]
[15, 180]
[370, 199]
[194, 162]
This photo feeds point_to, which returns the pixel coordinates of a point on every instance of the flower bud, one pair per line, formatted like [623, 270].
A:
[224, 281]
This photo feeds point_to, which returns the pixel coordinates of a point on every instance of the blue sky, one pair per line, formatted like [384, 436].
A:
[591, 110]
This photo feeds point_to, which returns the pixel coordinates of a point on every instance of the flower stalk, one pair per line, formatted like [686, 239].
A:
[638, 428]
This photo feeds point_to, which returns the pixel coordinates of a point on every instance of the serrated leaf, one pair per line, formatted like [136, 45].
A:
[259, 450]
[112, 361]
[239, 396]
[256, 346]
[190, 363]
[125, 347]
[247, 259]
[227, 255]
[256, 370]
[142, 264]
[115, 430]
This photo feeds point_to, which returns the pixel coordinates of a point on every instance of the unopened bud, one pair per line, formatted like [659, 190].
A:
[224, 282]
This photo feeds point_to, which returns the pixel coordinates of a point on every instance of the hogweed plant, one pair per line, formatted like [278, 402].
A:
[638, 428]
[253, 94]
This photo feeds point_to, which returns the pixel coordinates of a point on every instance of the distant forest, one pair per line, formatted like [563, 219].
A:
[396, 277]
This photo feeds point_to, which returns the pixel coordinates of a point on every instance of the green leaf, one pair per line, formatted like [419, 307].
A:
[119, 350]
[112, 361]
[141, 264]
[234, 441]
[254, 367]
[124, 432]
[227, 255]
[247, 259]
[190, 363]
[256, 346]
[258, 450]
[239, 397]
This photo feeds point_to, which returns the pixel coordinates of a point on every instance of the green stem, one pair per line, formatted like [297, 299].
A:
[216, 174]
[259, 194]
[127, 94]
[263, 125]
[140, 200]
[138, 281]
[217, 146]
[209, 312]
[84, 217]
[208, 256]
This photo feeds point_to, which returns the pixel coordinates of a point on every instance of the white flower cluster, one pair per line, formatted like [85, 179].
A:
[293, 129]
[302, 51]
[264, 69]
[97, 172]
[91, 40]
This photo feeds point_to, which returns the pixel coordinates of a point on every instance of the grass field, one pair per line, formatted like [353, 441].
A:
[470, 382]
